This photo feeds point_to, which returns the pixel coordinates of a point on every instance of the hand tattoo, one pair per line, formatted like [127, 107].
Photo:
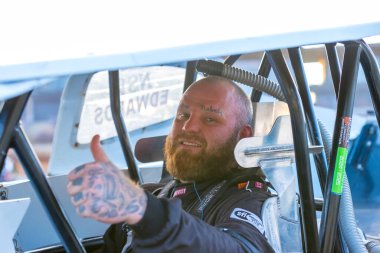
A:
[100, 190]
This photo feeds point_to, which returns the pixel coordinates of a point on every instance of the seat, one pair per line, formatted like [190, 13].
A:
[271, 150]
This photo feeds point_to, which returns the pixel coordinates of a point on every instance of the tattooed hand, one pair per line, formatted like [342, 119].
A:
[99, 190]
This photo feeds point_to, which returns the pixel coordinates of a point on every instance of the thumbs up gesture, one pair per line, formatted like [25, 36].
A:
[99, 190]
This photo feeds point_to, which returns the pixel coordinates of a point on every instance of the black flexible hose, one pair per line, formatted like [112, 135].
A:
[241, 76]
[373, 247]
[326, 139]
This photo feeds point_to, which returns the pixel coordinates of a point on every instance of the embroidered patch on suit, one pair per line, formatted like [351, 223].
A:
[259, 185]
[249, 217]
[179, 191]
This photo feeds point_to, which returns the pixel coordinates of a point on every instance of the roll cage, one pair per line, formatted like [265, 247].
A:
[296, 93]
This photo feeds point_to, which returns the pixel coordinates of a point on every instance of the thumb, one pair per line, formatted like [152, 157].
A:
[97, 150]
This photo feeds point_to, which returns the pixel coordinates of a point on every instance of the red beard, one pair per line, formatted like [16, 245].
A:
[205, 165]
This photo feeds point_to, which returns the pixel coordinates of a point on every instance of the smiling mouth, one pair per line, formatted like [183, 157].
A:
[190, 144]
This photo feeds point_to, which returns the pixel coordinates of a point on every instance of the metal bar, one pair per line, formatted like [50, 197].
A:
[230, 60]
[9, 118]
[334, 64]
[191, 74]
[339, 150]
[280, 148]
[302, 231]
[312, 126]
[309, 223]
[33, 169]
[372, 75]
[264, 71]
[121, 129]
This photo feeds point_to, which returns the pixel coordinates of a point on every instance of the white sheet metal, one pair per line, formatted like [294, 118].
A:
[49, 38]
[11, 214]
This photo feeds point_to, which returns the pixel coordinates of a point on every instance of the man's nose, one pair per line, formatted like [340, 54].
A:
[191, 125]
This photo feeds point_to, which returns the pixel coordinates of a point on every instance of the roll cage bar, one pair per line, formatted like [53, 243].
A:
[295, 90]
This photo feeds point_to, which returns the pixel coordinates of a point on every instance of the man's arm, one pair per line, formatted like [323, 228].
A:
[182, 232]
[100, 191]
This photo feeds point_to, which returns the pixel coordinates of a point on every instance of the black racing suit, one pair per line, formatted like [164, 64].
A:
[212, 216]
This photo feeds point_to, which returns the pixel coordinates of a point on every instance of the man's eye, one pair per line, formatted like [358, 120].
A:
[210, 120]
[182, 116]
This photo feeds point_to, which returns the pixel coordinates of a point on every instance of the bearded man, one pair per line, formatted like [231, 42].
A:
[211, 205]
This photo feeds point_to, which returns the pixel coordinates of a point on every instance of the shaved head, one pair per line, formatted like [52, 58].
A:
[213, 115]
[243, 104]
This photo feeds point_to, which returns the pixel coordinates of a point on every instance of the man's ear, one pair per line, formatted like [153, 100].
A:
[246, 131]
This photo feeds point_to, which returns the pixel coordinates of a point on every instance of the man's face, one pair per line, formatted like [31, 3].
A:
[204, 134]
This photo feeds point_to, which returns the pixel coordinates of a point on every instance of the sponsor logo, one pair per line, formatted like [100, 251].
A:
[179, 192]
[249, 217]
[259, 185]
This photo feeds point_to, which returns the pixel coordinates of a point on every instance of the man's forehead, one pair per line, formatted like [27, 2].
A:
[202, 100]
[207, 93]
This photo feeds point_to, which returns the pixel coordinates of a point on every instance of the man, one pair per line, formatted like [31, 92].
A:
[220, 203]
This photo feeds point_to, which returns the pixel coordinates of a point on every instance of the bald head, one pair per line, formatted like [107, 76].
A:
[240, 101]
[213, 115]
